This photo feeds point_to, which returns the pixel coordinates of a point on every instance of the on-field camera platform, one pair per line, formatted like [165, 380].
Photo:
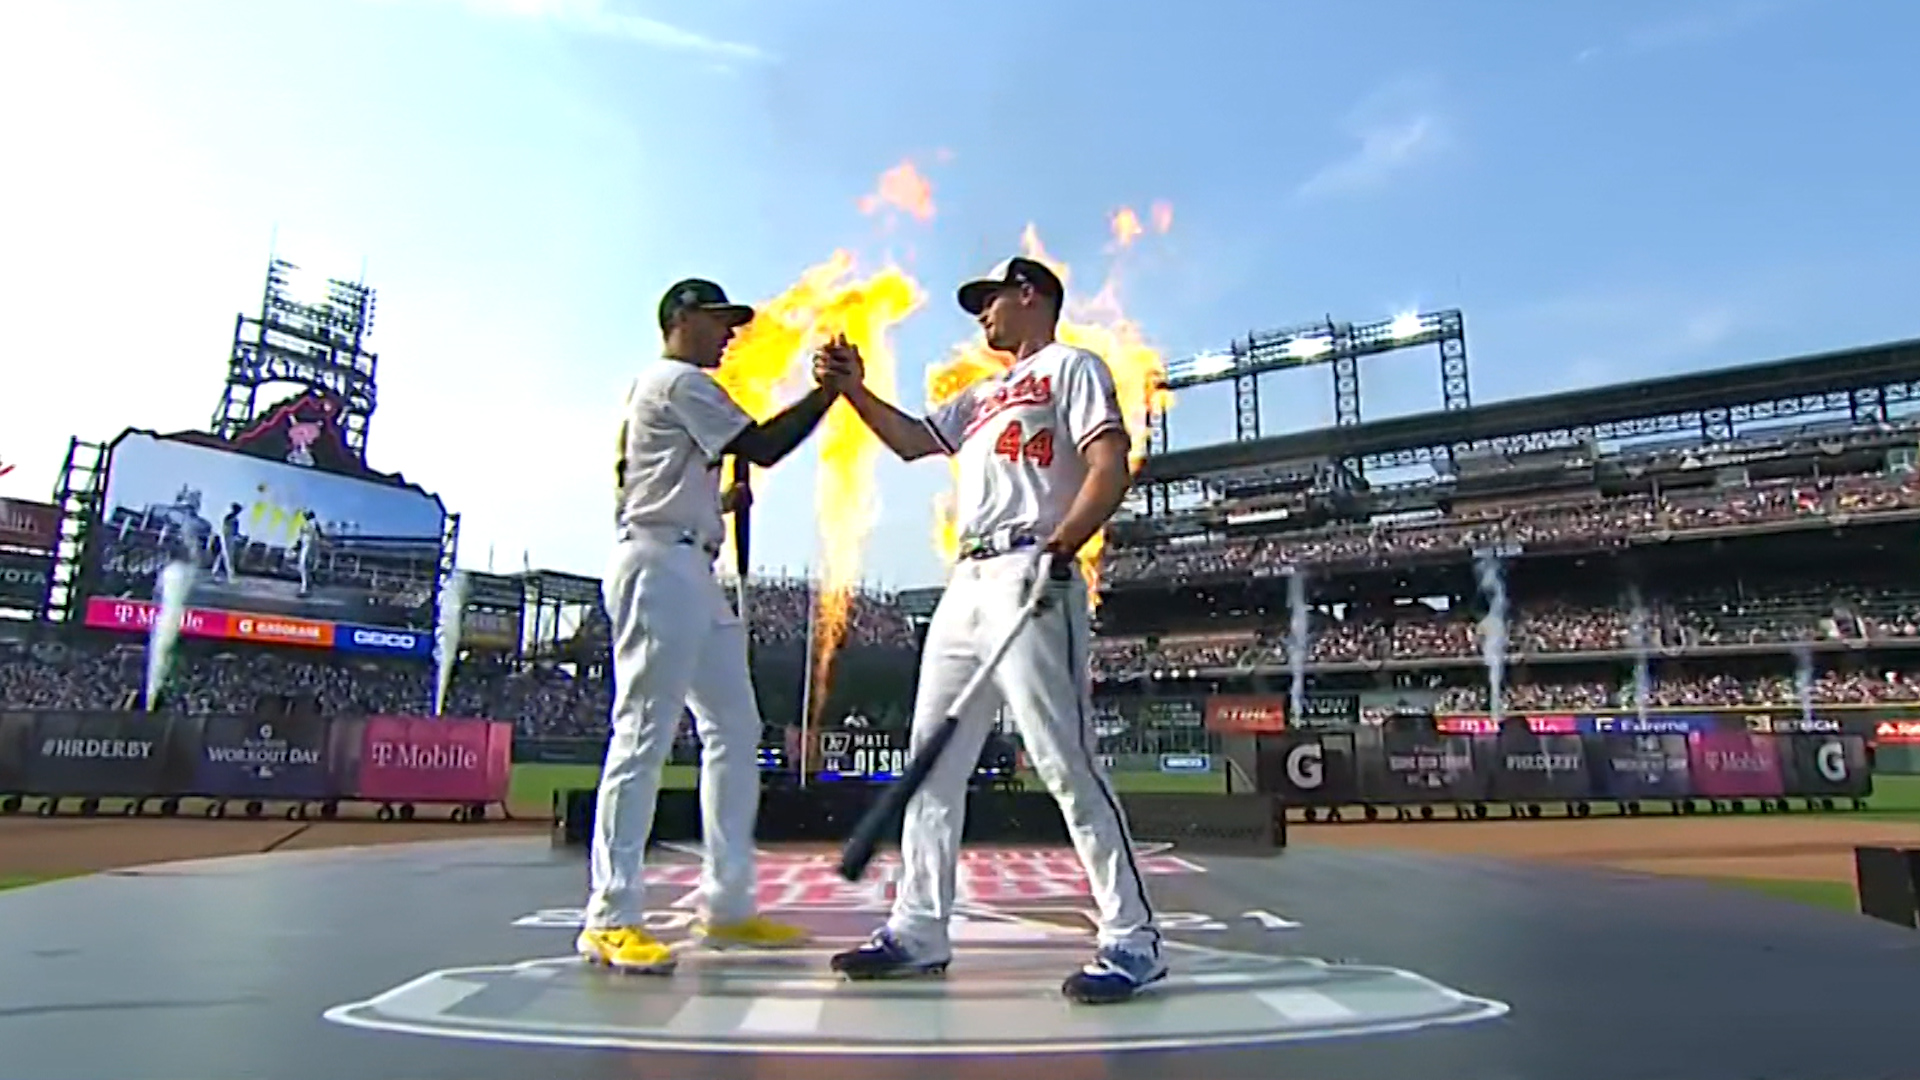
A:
[454, 959]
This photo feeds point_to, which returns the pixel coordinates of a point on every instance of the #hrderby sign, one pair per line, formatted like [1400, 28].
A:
[102, 754]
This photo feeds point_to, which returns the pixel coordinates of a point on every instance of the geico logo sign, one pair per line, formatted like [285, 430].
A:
[1306, 765]
[380, 639]
[428, 758]
[1831, 760]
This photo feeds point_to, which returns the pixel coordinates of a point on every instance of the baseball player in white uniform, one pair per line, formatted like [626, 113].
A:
[1042, 452]
[678, 646]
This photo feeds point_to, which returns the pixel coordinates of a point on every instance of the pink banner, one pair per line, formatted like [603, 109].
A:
[106, 613]
[419, 759]
[1734, 764]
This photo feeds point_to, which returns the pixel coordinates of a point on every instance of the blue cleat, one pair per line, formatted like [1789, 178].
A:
[884, 957]
[1114, 975]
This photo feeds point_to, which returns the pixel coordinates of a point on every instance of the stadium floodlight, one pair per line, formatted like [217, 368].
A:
[1339, 345]
[1314, 343]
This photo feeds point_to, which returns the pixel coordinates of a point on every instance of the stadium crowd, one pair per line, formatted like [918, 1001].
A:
[783, 609]
[1596, 523]
[1418, 632]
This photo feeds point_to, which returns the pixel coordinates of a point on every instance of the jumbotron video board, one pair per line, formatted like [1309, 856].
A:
[284, 553]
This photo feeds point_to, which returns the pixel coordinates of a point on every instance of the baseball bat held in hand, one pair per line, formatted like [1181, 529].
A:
[858, 853]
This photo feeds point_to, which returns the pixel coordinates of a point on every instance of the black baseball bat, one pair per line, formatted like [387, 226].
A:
[858, 853]
[742, 537]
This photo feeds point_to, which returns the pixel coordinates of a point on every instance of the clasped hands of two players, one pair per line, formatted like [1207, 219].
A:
[838, 367]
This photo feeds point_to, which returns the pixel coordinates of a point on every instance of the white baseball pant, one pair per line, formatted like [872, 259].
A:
[1046, 683]
[677, 646]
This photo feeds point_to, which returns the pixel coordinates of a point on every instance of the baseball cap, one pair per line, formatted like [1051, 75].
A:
[700, 294]
[1015, 271]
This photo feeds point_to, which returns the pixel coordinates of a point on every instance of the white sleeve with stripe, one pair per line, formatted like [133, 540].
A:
[948, 423]
[1089, 403]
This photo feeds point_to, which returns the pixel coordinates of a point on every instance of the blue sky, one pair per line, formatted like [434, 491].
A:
[1609, 190]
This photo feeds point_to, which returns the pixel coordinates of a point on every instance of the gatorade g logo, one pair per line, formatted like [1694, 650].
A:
[1306, 766]
[1831, 760]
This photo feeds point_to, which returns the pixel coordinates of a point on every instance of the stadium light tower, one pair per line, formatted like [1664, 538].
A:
[314, 339]
[1342, 345]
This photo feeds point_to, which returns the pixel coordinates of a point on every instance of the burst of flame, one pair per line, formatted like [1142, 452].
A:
[902, 188]
[1126, 227]
[776, 349]
[1098, 323]
[1162, 214]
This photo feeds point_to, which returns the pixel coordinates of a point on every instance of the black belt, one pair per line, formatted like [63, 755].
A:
[993, 545]
[680, 537]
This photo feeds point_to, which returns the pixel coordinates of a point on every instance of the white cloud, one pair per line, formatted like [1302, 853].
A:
[1386, 149]
[598, 18]
[1701, 26]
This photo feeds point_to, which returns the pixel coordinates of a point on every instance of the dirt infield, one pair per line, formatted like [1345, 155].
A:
[53, 847]
[1810, 848]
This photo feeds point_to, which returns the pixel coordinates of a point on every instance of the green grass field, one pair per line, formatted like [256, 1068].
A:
[533, 784]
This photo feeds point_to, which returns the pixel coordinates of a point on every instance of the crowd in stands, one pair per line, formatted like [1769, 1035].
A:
[782, 610]
[1412, 632]
[1594, 522]
[1825, 688]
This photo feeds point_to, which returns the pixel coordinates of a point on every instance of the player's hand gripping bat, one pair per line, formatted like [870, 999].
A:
[859, 850]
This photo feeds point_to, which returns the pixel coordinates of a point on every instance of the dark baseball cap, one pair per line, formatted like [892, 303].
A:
[1015, 271]
[697, 294]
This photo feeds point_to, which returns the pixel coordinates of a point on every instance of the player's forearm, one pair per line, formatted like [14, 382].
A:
[767, 444]
[907, 436]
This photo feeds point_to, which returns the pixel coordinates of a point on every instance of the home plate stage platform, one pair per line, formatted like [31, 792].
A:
[452, 960]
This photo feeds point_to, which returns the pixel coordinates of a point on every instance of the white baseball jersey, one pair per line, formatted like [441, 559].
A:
[1018, 438]
[674, 429]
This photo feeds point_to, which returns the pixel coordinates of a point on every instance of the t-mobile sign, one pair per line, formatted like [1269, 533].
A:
[414, 759]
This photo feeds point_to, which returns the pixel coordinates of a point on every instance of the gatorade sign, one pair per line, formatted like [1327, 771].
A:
[1309, 768]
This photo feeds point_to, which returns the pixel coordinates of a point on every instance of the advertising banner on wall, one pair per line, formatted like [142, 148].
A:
[1326, 711]
[1645, 766]
[1308, 768]
[1733, 764]
[1531, 767]
[268, 536]
[1167, 713]
[15, 729]
[484, 629]
[414, 759]
[1246, 714]
[1827, 765]
[282, 758]
[1423, 766]
[30, 526]
[100, 753]
[23, 579]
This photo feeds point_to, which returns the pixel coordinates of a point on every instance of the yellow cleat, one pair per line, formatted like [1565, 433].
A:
[625, 948]
[757, 932]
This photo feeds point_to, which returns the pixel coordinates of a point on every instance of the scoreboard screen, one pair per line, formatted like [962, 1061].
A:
[866, 753]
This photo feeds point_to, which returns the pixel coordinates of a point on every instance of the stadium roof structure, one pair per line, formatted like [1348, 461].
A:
[1864, 385]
